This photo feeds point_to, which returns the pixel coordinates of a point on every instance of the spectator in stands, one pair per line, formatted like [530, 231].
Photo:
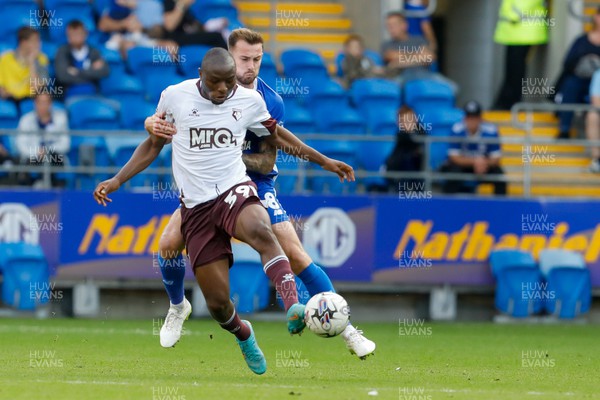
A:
[24, 71]
[472, 156]
[408, 57]
[407, 154]
[421, 26]
[182, 26]
[134, 23]
[357, 65]
[592, 122]
[43, 137]
[78, 66]
[581, 62]
[521, 25]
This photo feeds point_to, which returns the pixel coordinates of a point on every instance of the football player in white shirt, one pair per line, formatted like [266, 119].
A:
[211, 116]
[246, 47]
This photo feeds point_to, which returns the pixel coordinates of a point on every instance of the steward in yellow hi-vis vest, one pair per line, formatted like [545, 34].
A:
[522, 22]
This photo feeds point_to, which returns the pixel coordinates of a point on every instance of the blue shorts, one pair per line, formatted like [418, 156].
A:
[268, 198]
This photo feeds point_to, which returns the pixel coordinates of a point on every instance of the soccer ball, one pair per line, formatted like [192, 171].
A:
[327, 314]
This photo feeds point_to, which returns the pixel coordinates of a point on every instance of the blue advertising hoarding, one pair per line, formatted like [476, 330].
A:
[356, 238]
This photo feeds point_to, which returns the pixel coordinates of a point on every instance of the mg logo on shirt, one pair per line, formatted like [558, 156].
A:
[208, 138]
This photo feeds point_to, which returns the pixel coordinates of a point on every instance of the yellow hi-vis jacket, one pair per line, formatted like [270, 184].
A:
[522, 22]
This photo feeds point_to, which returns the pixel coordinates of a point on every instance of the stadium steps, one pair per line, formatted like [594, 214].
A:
[589, 9]
[321, 27]
[562, 173]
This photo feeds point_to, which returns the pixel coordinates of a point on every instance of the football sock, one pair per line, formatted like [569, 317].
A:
[316, 280]
[237, 327]
[173, 272]
[280, 273]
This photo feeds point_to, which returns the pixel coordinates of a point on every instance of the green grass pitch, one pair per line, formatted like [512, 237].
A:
[105, 359]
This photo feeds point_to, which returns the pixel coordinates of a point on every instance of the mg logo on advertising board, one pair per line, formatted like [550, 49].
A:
[332, 236]
[18, 224]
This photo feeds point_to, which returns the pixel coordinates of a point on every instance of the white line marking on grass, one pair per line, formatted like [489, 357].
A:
[97, 331]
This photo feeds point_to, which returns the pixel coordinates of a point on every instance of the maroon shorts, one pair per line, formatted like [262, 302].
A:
[207, 228]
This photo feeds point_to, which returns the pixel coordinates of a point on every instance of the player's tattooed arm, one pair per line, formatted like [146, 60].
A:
[142, 157]
[287, 142]
[263, 161]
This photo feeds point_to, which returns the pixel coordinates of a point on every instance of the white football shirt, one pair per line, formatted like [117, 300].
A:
[207, 149]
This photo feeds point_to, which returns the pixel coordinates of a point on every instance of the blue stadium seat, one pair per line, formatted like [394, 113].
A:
[305, 65]
[190, 59]
[340, 150]
[151, 64]
[515, 272]
[287, 179]
[155, 86]
[326, 95]
[428, 93]
[268, 71]
[64, 11]
[372, 155]
[569, 289]
[9, 115]
[15, 14]
[122, 88]
[204, 10]
[120, 150]
[50, 49]
[114, 60]
[343, 120]
[89, 151]
[7, 46]
[438, 123]
[373, 55]
[249, 286]
[298, 119]
[372, 95]
[93, 113]
[134, 112]
[25, 275]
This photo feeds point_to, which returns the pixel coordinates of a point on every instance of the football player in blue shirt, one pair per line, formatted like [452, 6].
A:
[246, 46]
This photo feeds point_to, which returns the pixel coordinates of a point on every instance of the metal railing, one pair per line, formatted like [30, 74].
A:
[428, 176]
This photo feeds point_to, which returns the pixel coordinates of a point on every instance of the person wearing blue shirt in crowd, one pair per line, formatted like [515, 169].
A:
[421, 26]
[79, 66]
[471, 155]
[580, 63]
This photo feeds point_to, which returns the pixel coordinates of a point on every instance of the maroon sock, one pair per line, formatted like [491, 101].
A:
[237, 327]
[280, 273]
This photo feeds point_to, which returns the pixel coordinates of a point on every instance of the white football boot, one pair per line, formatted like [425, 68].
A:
[171, 329]
[357, 343]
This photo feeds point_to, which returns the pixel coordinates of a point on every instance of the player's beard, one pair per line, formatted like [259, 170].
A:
[246, 79]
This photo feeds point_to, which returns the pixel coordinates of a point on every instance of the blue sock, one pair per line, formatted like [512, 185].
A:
[316, 280]
[173, 272]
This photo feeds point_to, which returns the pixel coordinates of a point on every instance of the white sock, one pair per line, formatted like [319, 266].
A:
[349, 329]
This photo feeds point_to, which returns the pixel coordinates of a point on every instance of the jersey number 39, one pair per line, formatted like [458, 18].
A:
[244, 190]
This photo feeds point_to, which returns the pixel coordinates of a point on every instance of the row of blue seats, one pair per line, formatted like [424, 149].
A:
[56, 14]
[25, 275]
[560, 285]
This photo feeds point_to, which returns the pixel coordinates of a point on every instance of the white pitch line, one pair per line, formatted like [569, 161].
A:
[270, 385]
[93, 331]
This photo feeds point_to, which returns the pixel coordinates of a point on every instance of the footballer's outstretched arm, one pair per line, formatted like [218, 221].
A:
[142, 157]
[262, 162]
[286, 141]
